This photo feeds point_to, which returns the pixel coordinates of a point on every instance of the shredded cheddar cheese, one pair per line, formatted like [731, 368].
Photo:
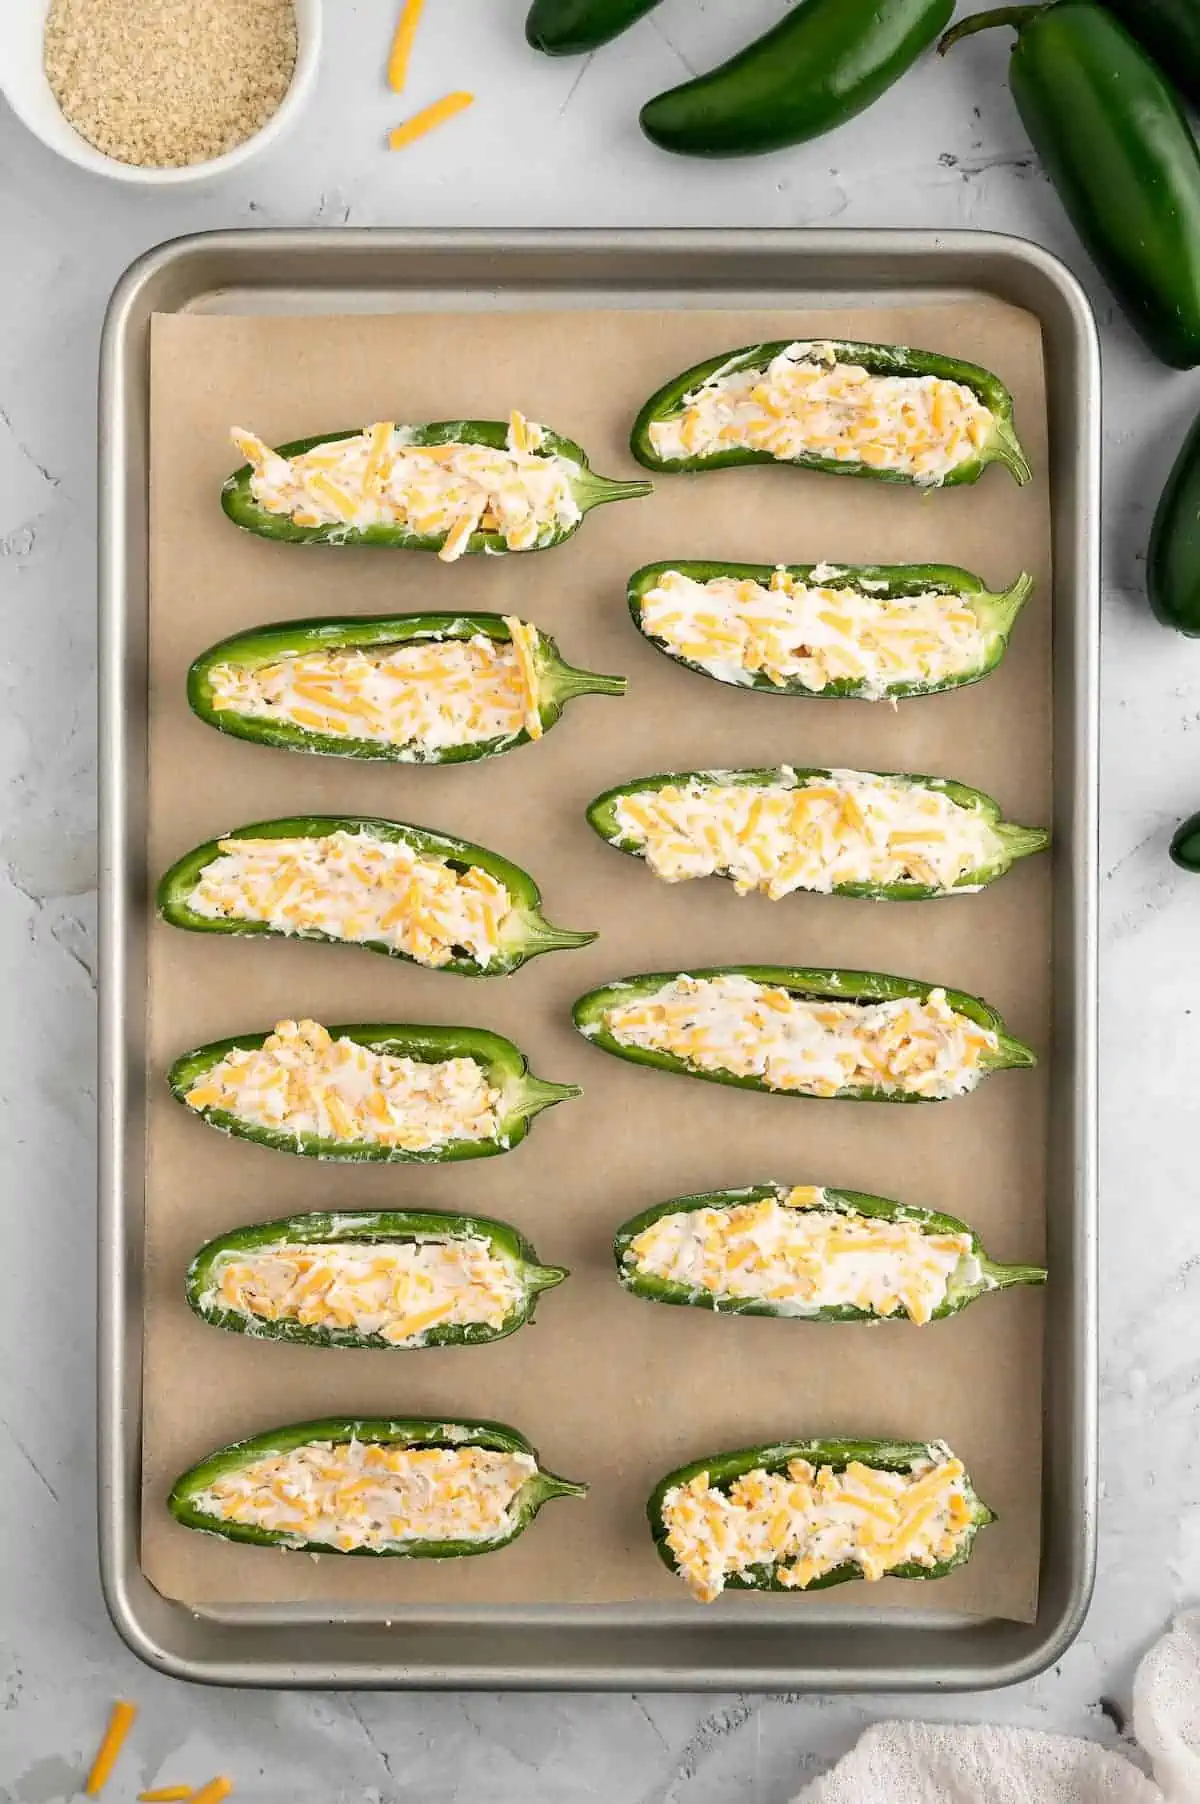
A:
[422, 695]
[810, 833]
[815, 633]
[816, 1048]
[303, 1082]
[356, 887]
[214, 1791]
[107, 1754]
[802, 1256]
[381, 477]
[165, 1794]
[361, 1494]
[808, 1520]
[396, 1292]
[807, 403]
[402, 44]
[428, 119]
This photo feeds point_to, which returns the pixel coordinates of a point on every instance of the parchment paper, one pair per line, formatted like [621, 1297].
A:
[609, 1388]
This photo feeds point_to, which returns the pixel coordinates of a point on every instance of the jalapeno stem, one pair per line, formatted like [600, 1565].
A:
[593, 491]
[1004, 1275]
[533, 1094]
[535, 935]
[567, 682]
[1016, 16]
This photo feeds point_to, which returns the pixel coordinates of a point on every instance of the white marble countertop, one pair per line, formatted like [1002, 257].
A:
[548, 144]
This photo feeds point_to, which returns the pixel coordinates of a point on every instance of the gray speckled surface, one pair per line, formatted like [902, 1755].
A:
[547, 144]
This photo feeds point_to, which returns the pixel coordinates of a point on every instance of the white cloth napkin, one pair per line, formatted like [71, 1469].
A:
[934, 1763]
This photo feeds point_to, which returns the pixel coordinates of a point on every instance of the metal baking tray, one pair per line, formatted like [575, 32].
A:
[629, 1647]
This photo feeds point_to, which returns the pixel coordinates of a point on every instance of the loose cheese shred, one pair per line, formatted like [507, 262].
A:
[811, 833]
[119, 1724]
[806, 1521]
[803, 1256]
[402, 43]
[918, 1047]
[166, 1794]
[214, 1791]
[428, 120]
[806, 402]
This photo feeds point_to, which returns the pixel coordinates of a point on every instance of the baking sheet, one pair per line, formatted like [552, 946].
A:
[610, 1389]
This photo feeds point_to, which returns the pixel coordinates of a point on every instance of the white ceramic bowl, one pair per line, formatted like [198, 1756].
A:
[24, 85]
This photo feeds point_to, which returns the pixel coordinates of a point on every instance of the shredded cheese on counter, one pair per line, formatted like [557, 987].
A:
[303, 1082]
[397, 1292]
[423, 695]
[807, 403]
[380, 477]
[121, 1720]
[353, 886]
[426, 121]
[804, 1257]
[813, 633]
[351, 1494]
[814, 833]
[818, 1048]
[809, 1520]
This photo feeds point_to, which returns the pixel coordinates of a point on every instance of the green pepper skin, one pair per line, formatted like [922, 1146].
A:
[852, 1203]
[573, 27]
[523, 1095]
[996, 614]
[827, 61]
[1173, 558]
[1185, 846]
[526, 932]
[1170, 31]
[559, 683]
[1114, 140]
[822, 986]
[885, 1456]
[1003, 446]
[363, 1227]
[428, 1431]
[1018, 842]
[589, 490]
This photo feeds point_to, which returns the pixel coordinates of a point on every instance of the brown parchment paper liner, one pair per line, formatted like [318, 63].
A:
[610, 1389]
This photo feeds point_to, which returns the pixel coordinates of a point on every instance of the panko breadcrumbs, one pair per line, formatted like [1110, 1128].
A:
[165, 83]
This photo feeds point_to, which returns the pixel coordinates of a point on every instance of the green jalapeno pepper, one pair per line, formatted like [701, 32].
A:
[996, 614]
[591, 1013]
[827, 61]
[588, 489]
[381, 1229]
[975, 1275]
[572, 27]
[558, 683]
[1185, 844]
[1170, 31]
[1001, 445]
[1173, 558]
[186, 1499]
[522, 1096]
[1013, 842]
[1116, 144]
[724, 1469]
[524, 932]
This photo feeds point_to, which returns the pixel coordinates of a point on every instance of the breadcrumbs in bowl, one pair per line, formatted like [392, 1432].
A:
[158, 92]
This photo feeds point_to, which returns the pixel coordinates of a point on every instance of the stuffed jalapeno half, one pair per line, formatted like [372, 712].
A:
[860, 1036]
[806, 1252]
[421, 1489]
[869, 632]
[888, 837]
[394, 1278]
[354, 880]
[412, 688]
[421, 1094]
[805, 1515]
[452, 487]
[882, 411]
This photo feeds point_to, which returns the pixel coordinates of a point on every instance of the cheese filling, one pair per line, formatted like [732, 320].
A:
[818, 1048]
[351, 1494]
[807, 403]
[425, 695]
[303, 1082]
[380, 477]
[397, 1292]
[812, 833]
[353, 886]
[815, 633]
[808, 1520]
[803, 1257]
